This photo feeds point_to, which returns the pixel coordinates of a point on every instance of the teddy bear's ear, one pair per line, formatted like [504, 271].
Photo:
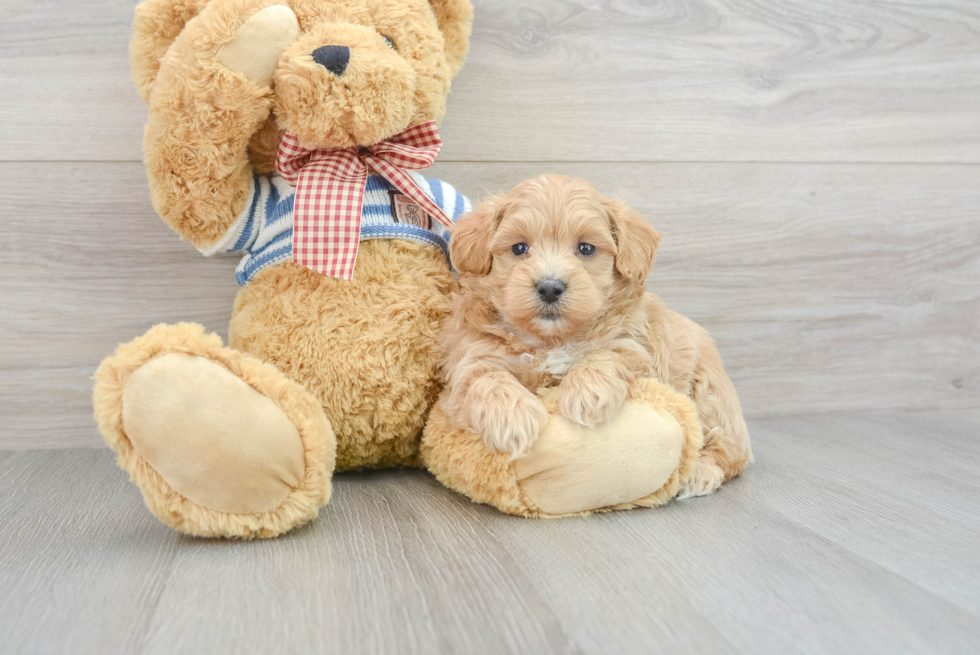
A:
[455, 21]
[155, 27]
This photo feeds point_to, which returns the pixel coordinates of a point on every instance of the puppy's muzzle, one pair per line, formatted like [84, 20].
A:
[550, 290]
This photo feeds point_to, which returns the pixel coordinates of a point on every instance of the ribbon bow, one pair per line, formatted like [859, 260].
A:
[330, 191]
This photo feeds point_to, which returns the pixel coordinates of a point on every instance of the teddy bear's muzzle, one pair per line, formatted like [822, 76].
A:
[341, 85]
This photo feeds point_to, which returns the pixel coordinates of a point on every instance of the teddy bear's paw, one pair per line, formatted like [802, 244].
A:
[706, 479]
[591, 396]
[219, 443]
[505, 414]
[213, 438]
[259, 43]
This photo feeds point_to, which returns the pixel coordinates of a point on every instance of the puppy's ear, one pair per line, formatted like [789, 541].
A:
[469, 245]
[636, 241]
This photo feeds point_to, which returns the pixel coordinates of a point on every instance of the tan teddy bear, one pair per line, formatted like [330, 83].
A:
[240, 441]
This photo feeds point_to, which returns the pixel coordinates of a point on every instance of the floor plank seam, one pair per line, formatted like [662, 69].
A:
[142, 635]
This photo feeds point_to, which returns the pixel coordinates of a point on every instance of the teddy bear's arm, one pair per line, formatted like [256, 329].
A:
[207, 102]
[447, 197]
[264, 222]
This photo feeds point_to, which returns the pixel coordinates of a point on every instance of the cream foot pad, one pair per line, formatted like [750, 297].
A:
[220, 444]
[639, 458]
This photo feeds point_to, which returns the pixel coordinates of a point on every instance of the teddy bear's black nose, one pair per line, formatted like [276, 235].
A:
[333, 57]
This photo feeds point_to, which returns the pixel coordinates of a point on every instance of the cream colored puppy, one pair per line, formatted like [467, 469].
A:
[553, 293]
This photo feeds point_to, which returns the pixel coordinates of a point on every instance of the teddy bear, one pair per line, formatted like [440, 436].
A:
[292, 132]
[331, 365]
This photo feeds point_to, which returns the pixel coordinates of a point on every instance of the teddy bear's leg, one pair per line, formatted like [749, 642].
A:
[640, 457]
[220, 444]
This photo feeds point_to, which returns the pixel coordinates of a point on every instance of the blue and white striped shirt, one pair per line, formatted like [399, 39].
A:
[264, 230]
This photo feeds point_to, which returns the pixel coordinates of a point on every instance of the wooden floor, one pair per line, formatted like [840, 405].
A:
[855, 533]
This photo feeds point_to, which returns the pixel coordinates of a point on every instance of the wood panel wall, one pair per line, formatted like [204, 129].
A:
[814, 164]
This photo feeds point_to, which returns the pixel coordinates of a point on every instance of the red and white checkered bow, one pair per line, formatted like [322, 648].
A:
[330, 191]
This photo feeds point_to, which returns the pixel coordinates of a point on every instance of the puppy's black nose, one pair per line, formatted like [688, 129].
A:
[550, 289]
[333, 57]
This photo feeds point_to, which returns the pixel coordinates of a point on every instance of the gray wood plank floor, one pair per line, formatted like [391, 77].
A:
[855, 533]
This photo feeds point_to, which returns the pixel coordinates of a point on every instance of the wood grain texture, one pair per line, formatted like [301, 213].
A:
[838, 490]
[846, 538]
[826, 286]
[65, 88]
[720, 80]
[82, 562]
[676, 80]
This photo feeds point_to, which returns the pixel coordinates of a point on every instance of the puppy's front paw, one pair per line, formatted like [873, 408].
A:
[505, 414]
[588, 396]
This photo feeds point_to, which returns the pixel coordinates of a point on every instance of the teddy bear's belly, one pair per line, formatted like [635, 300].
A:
[368, 349]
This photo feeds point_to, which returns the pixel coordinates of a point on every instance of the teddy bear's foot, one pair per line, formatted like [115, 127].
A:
[221, 444]
[640, 457]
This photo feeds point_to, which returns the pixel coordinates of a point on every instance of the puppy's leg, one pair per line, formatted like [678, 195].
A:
[709, 474]
[595, 388]
[485, 397]
[726, 449]
[505, 413]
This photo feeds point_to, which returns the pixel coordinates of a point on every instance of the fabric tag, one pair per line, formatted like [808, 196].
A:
[406, 210]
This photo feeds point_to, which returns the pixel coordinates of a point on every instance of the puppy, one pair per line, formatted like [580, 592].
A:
[553, 292]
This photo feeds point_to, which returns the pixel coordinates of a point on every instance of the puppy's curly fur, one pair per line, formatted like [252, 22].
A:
[553, 293]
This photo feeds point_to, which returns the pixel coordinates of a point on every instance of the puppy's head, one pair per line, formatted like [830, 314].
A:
[554, 255]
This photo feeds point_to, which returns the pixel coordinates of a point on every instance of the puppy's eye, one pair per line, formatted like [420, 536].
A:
[391, 44]
[586, 249]
[519, 249]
